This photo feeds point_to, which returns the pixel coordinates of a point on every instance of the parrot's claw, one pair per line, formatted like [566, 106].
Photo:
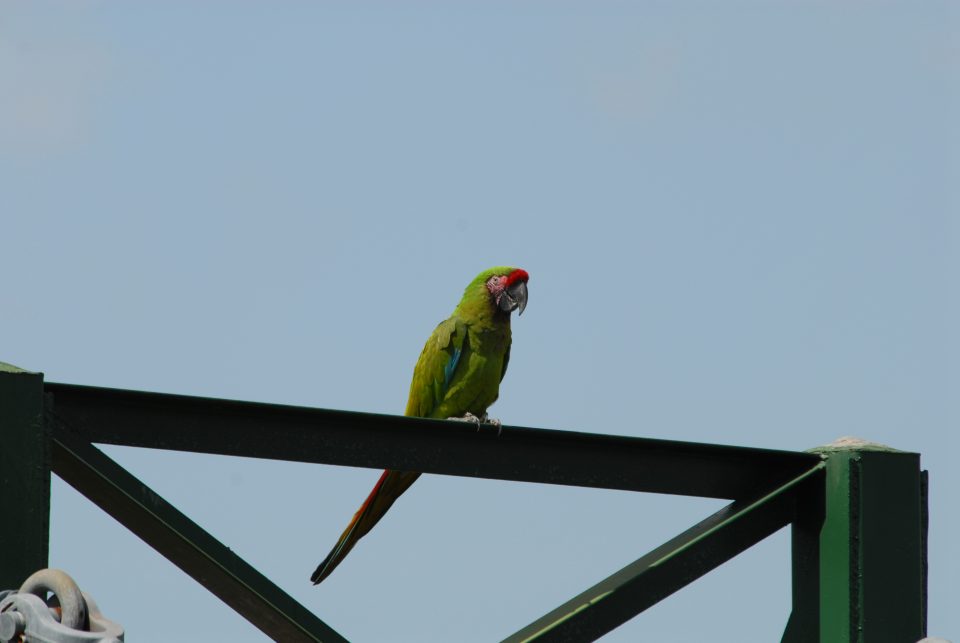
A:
[480, 421]
[493, 422]
[468, 417]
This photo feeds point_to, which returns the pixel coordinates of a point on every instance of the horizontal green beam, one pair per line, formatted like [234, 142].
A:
[183, 542]
[205, 425]
[670, 567]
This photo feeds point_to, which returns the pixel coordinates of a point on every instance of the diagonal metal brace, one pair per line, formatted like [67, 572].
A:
[182, 541]
[670, 567]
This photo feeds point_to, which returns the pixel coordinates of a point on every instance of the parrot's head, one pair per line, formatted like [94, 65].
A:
[508, 289]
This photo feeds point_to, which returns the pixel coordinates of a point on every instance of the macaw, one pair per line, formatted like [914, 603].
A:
[457, 377]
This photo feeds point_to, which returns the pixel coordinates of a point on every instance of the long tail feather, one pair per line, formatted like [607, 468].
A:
[391, 486]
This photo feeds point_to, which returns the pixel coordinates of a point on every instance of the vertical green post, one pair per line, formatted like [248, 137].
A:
[804, 623]
[24, 476]
[872, 545]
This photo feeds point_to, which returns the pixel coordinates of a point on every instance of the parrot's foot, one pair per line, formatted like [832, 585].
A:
[468, 417]
[493, 422]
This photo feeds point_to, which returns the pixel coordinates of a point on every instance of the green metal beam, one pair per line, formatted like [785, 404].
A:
[183, 542]
[24, 476]
[153, 420]
[670, 567]
[858, 510]
[872, 546]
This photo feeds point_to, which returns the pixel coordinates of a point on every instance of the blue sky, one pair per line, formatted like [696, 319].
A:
[740, 221]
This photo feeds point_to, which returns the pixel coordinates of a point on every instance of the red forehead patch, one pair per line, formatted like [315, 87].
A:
[517, 275]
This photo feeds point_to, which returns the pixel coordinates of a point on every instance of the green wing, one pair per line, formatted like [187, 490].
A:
[436, 367]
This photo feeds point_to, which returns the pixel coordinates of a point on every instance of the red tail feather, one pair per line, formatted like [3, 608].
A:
[389, 487]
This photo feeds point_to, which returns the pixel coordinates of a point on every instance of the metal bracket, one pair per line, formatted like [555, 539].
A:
[26, 614]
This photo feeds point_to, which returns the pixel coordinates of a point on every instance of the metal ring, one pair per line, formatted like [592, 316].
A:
[73, 608]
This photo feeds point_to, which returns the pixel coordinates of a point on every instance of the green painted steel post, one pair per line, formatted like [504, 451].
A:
[24, 476]
[872, 547]
[804, 623]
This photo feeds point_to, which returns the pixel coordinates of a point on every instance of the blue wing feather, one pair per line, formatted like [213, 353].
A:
[451, 367]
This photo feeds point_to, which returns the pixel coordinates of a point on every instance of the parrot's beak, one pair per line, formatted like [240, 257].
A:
[514, 298]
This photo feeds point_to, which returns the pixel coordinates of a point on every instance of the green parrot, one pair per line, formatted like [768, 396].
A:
[457, 376]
